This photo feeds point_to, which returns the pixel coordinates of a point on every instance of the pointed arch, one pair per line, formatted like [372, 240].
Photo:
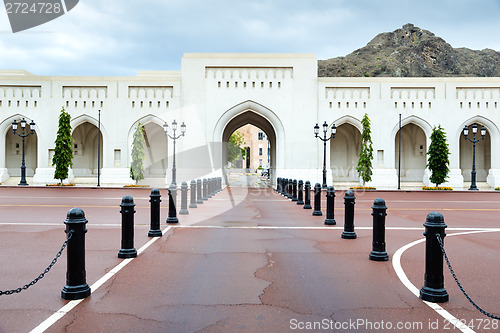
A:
[250, 112]
[156, 149]
[344, 149]
[423, 124]
[348, 119]
[486, 157]
[75, 122]
[8, 151]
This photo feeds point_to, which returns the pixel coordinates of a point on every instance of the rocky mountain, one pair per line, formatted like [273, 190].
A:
[412, 52]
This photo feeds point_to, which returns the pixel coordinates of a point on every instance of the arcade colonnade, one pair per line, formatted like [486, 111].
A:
[215, 94]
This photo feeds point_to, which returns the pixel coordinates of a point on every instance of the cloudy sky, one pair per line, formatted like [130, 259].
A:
[121, 37]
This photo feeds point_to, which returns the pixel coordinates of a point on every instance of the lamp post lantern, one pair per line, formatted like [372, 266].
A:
[333, 130]
[23, 135]
[174, 137]
[473, 186]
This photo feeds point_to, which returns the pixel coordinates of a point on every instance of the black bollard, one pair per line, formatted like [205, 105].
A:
[349, 200]
[317, 200]
[199, 199]
[127, 211]
[278, 183]
[154, 199]
[184, 199]
[172, 202]
[433, 289]
[205, 189]
[76, 285]
[307, 195]
[294, 190]
[330, 204]
[289, 193]
[192, 203]
[378, 245]
[300, 190]
[210, 183]
[283, 186]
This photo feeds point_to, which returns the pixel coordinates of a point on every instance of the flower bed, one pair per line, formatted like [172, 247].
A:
[70, 184]
[135, 185]
[363, 188]
[437, 188]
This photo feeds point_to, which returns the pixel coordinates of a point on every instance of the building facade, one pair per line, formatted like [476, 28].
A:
[216, 94]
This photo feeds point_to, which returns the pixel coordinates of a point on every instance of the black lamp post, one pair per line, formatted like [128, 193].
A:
[473, 186]
[23, 135]
[174, 137]
[325, 139]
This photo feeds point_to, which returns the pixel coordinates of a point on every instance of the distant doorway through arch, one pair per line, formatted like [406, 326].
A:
[263, 152]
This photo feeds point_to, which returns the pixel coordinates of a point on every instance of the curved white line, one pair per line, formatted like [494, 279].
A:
[396, 263]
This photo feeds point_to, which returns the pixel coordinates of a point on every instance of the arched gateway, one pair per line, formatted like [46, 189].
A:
[250, 112]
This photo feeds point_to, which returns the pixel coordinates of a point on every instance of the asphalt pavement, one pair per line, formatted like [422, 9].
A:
[245, 260]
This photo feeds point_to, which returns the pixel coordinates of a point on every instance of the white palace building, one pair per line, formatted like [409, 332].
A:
[215, 94]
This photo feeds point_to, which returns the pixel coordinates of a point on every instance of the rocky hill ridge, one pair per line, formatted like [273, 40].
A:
[412, 52]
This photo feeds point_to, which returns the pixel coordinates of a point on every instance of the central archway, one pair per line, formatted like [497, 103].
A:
[255, 114]
[252, 118]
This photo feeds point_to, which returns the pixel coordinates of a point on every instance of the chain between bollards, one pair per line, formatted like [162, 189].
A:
[440, 241]
[42, 275]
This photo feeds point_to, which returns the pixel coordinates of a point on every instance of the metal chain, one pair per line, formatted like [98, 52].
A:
[440, 241]
[26, 286]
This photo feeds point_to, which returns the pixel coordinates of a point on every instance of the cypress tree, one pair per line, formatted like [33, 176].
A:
[438, 161]
[63, 151]
[364, 167]
[137, 167]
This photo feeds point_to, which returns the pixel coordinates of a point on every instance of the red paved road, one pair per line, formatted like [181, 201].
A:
[200, 278]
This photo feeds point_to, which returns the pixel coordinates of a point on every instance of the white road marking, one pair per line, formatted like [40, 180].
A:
[396, 263]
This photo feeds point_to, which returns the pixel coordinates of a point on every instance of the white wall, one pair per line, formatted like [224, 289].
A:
[282, 89]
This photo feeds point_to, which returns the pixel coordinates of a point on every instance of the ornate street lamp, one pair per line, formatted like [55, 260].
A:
[473, 186]
[23, 135]
[174, 137]
[325, 139]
